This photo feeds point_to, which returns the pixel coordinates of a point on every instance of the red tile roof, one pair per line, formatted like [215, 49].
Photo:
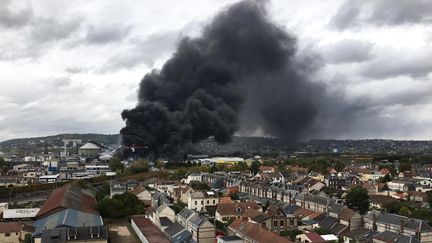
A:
[225, 200]
[68, 196]
[255, 232]
[10, 227]
[236, 208]
[314, 237]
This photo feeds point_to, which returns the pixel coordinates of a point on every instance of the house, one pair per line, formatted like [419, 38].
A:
[177, 233]
[200, 200]
[49, 178]
[346, 217]
[225, 211]
[164, 211]
[159, 199]
[202, 230]
[117, 189]
[143, 194]
[279, 220]
[371, 175]
[310, 237]
[67, 206]
[184, 216]
[266, 169]
[229, 239]
[96, 234]
[392, 237]
[381, 221]
[146, 231]
[357, 235]
[193, 177]
[250, 232]
[270, 177]
[401, 185]
[11, 232]
[185, 194]
[378, 201]
[131, 184]
[316, 203]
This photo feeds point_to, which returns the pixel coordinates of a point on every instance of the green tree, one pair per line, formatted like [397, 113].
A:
[405, 166]
[102, 192]
[138, 167]
[27, 238]
[385, 179]
[2, 162]
[115, 164]
[160, 164]
[266, 205]
[404, 211]
[255, 166]
[358, 199]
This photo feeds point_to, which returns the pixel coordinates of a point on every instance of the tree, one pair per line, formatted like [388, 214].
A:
[160, 164]
[103, 192]
[3, 164]
[138, 167]
[358, 199]
[115, 164]
[266, 205]
[385, 179]
[405, 166]
[255, 166]
[404, 211]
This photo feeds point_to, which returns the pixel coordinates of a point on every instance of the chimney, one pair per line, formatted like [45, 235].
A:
[374, 226]
[402, 226]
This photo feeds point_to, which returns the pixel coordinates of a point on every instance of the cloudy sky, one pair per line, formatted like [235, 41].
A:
[73, 66]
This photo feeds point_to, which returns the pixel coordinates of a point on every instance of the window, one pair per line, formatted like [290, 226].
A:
[214, 201]
[202, 202]
[275, 223]
[282, 223]
[208, 202]
[7, 234]
[196, 202]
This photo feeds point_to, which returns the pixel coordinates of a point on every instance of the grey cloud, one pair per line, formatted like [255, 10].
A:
[390, 12]
[346, 15]
[143, 51]
[347, 51]
[353, 13]
[399, 63]
[106, 34]
[50, 29]
[14, 18]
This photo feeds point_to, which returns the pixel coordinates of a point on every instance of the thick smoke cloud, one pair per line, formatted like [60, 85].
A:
[242, 73]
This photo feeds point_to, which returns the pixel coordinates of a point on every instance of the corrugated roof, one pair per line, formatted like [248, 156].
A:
[69, 218]
[68, 197]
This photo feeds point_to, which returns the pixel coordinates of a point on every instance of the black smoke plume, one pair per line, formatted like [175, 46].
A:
[242, 73]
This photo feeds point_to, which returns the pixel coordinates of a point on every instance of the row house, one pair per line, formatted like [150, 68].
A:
[200, 200]
[202, 230]
[381, 221]
[346, 216]
[227, 211]
[266, 191]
